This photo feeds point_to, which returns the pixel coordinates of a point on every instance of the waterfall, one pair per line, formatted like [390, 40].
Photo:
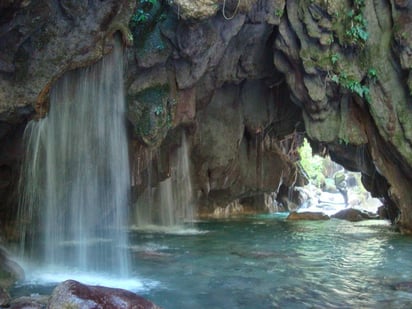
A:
[171, 204]
[75, 176]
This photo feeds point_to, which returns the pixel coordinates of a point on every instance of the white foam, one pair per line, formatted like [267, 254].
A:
[53, 276]
[171, 230]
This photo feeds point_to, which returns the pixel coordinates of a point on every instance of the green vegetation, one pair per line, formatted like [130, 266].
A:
[314, 166]
[357, 33]
[353, 85]
[148, 13]
[350, 26]
[279, 12]
[334, 58]
[153, 110]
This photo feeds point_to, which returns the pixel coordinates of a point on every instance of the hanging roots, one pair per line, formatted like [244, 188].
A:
[234, 13]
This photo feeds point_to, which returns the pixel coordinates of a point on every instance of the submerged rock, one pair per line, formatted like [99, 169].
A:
[403, 286]
[73, 294]
[30, 302]
[354, 215]
[307, 215]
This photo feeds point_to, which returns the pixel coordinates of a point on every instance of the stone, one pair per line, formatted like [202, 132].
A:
[73, 294]
[34, 301]
[307, 215]
[354, 215]
[196, 9]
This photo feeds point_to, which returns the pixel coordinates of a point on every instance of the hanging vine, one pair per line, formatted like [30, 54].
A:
[234, 13]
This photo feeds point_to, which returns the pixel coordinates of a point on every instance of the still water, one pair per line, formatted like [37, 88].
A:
[268, 262]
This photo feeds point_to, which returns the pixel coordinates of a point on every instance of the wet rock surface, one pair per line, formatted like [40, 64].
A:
[73, 294]
[354, 215]
[307, 215]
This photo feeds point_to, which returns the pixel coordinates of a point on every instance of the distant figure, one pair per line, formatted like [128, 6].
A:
[340, 183]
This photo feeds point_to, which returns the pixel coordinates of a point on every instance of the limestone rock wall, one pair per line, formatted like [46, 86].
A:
[348, 64]
[214, 77]
[245, 80]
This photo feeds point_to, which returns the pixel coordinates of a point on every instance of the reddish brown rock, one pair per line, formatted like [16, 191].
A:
[354, 215]
[307, 215]
[73, 294]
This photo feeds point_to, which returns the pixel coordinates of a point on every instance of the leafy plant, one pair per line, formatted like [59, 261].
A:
[352, 85]
[313, 165]
[334, 58]
[279, 12]
[144, 19]
[357, 32]
[372, 74]
[158, 110]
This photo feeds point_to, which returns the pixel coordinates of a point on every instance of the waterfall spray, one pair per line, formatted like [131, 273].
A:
[75, 177]
[171, 205]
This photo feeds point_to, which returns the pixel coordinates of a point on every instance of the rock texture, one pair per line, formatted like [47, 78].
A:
[307, 215]
[354, 215]
[246, 80]
[39, 41]
[348, 68]
[73, 294]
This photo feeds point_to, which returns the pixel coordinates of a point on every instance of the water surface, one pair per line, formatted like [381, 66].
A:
[268, 262]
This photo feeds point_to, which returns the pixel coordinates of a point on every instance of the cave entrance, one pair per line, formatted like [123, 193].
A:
[330, 186]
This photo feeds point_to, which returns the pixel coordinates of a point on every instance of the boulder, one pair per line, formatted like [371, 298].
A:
[354, 215]
[73, 294]
[307, 215]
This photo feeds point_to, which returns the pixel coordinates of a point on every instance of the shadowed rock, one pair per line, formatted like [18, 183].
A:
[353, 215]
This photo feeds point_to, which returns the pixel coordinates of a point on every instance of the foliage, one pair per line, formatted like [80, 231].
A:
[351, 26]
[279, 12]
[357, 33]
[144, 19]
[351, 84]
[313, 165]
[372, 75]
[334, 58]
[155, 110]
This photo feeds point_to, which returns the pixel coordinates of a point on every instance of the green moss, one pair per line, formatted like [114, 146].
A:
[279, 12]
[153, 95]
[153, 43]
[147, 14]
[151, 113]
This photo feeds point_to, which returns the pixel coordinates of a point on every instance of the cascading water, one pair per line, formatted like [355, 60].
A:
[183, 193]
[171, 204]
[75, 178]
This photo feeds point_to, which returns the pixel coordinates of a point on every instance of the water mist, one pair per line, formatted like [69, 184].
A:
[170, 204]
[75, 177]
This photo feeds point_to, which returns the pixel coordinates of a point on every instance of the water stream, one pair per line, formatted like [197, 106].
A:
[169, 205]
[75, 179]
